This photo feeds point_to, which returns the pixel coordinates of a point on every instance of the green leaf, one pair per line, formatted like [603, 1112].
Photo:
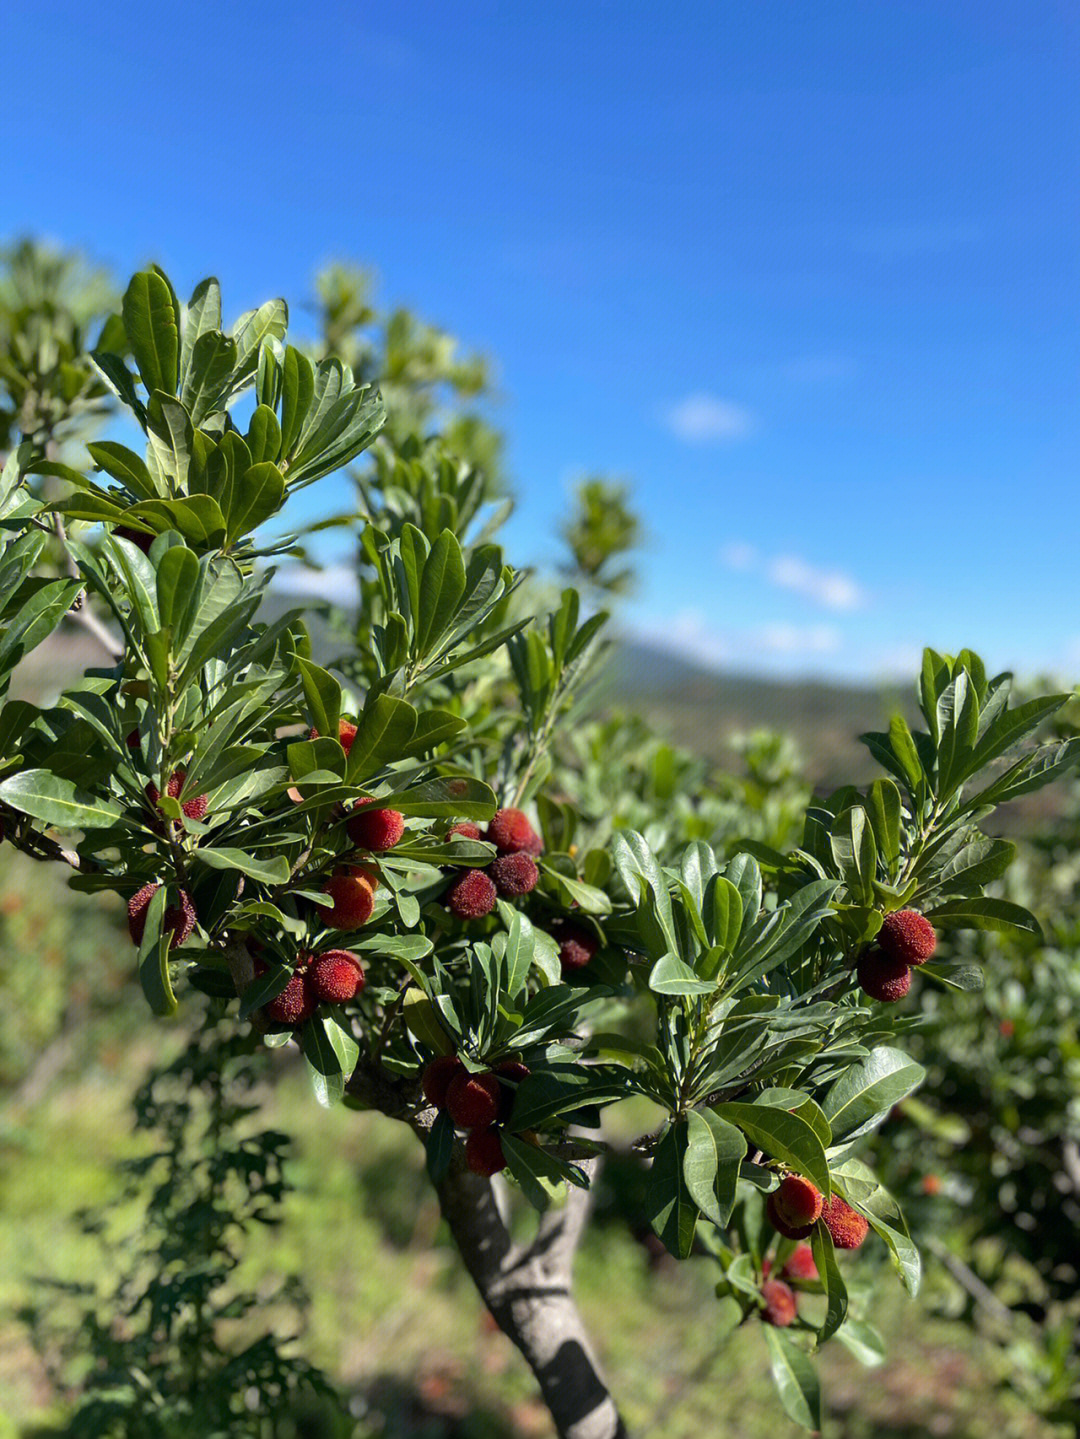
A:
[795, 1378]
[714, 1151]
[956, 974]
[864, 1341]
[863, 1095]
[203, 315]
[153, 958]
[266, 871]
[57, 801]
[784, 1136]
[197, 518]
[670, 1209]
[440, 1148]
[442, 585]
[854, 851]
[327, 1078]
[124, 465]
[323, 695]
[177, 590]
[207, 381]
[297, 389]
[384, 729]
[452, 796]
[883, 805]
[152, 326]
[520, 948]
[975, 913]
[722, 912]
[36, 619]
[833, 1281]
[537, 1170]
[561, 1089]
[257, 495]
[670, 975]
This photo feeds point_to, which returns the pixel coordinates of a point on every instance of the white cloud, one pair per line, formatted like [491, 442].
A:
[687, 633]
[706, 419]
[336, 583]
[831, 589]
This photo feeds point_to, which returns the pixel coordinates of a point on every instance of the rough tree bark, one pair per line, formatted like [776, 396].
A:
[529, 1291]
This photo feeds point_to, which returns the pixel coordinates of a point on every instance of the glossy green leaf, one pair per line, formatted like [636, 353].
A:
[383, 732]
[795, 1378]
[152, 326]
[56, 801]
[153, 958]
[783, 1136]
[863, 1095]
[668, 1205]
[982, 913]
[266, 871]
[670, 975]
[714, 1152]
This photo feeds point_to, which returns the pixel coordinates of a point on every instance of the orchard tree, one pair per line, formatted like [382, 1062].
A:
[377, 861]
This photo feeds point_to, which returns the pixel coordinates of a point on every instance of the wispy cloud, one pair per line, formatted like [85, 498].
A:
[689, 634]
[831, 589]
[707, 419]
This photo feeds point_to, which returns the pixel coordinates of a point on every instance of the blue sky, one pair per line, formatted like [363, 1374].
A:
[806, 272]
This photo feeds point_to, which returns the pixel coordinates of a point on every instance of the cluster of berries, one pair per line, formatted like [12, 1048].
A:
[781, 1303]
[478, 1103]
[905, 938]
[193, 808]
[180, 917]
[332, 977]
[511, 874]
[796, 1206]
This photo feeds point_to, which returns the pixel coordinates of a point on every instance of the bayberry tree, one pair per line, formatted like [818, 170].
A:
[377, 860]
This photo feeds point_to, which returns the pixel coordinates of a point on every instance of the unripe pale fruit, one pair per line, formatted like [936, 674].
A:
[438, 1076]
[847, 1227]
[484, 1152]
[353, 893]
[779, 1303]
[576, 945]
[798, 1201]
[180, 918]
[782, 1225]
[514, 875]
[882, 977]
[471, 896]
[907, 936]
[511, 832]
[800, 1263]
[375, 829]
[336, 976]
[472, 1100]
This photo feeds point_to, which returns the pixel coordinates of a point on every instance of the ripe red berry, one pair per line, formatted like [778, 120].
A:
[511, 832]
[779, 1303]
[180, 918]
[882, 977]
[514, 874]
[193, 808]
[907, 936]
[295, 1002]
[471, 895]
[782, 1225]
[847, 1227]
[800, 1263]
[465, 829]
[437, 1078]
[798, 1201]
[336, 976]
[484, 1152]
[346, 734]
[353, 893]
[133, 740]
[931, 1184]
[472, 1100]
[377, 829]
[576, 945]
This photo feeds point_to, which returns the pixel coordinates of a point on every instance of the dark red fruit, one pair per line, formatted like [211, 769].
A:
[471, 896]
[576, 945]
[882, 977]
[336, 976]
[484, 1152]
[465, 829]
[438, 1076]
[782, 1225]
[180, 918]
[376, 829]
[779, 1303]
[514, 874]
[472, 1100]
[800, 1263]
[511, 832]
[137, 537]
[907, 936]
[295, 1002]
[847, 1227]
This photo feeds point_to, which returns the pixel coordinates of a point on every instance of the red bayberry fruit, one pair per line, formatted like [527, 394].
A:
[510, 832]
[931, 1184]
[465, 829]
[346, 734]
[353, 893]
[907, 936]
[133, 740]
[782, 1225]
[193, 808]
[295, 1002]
[438, 1076]
[180, 918]
[137, 537]
[471, 896]
[514, 874]
[472, 1100]
[484, 1152]
[779, 1303]
[576, 945]
[336, 975]
[800, 1263]
[376, 829]
[798, 1201]
[847, 1227]
[882, 977]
